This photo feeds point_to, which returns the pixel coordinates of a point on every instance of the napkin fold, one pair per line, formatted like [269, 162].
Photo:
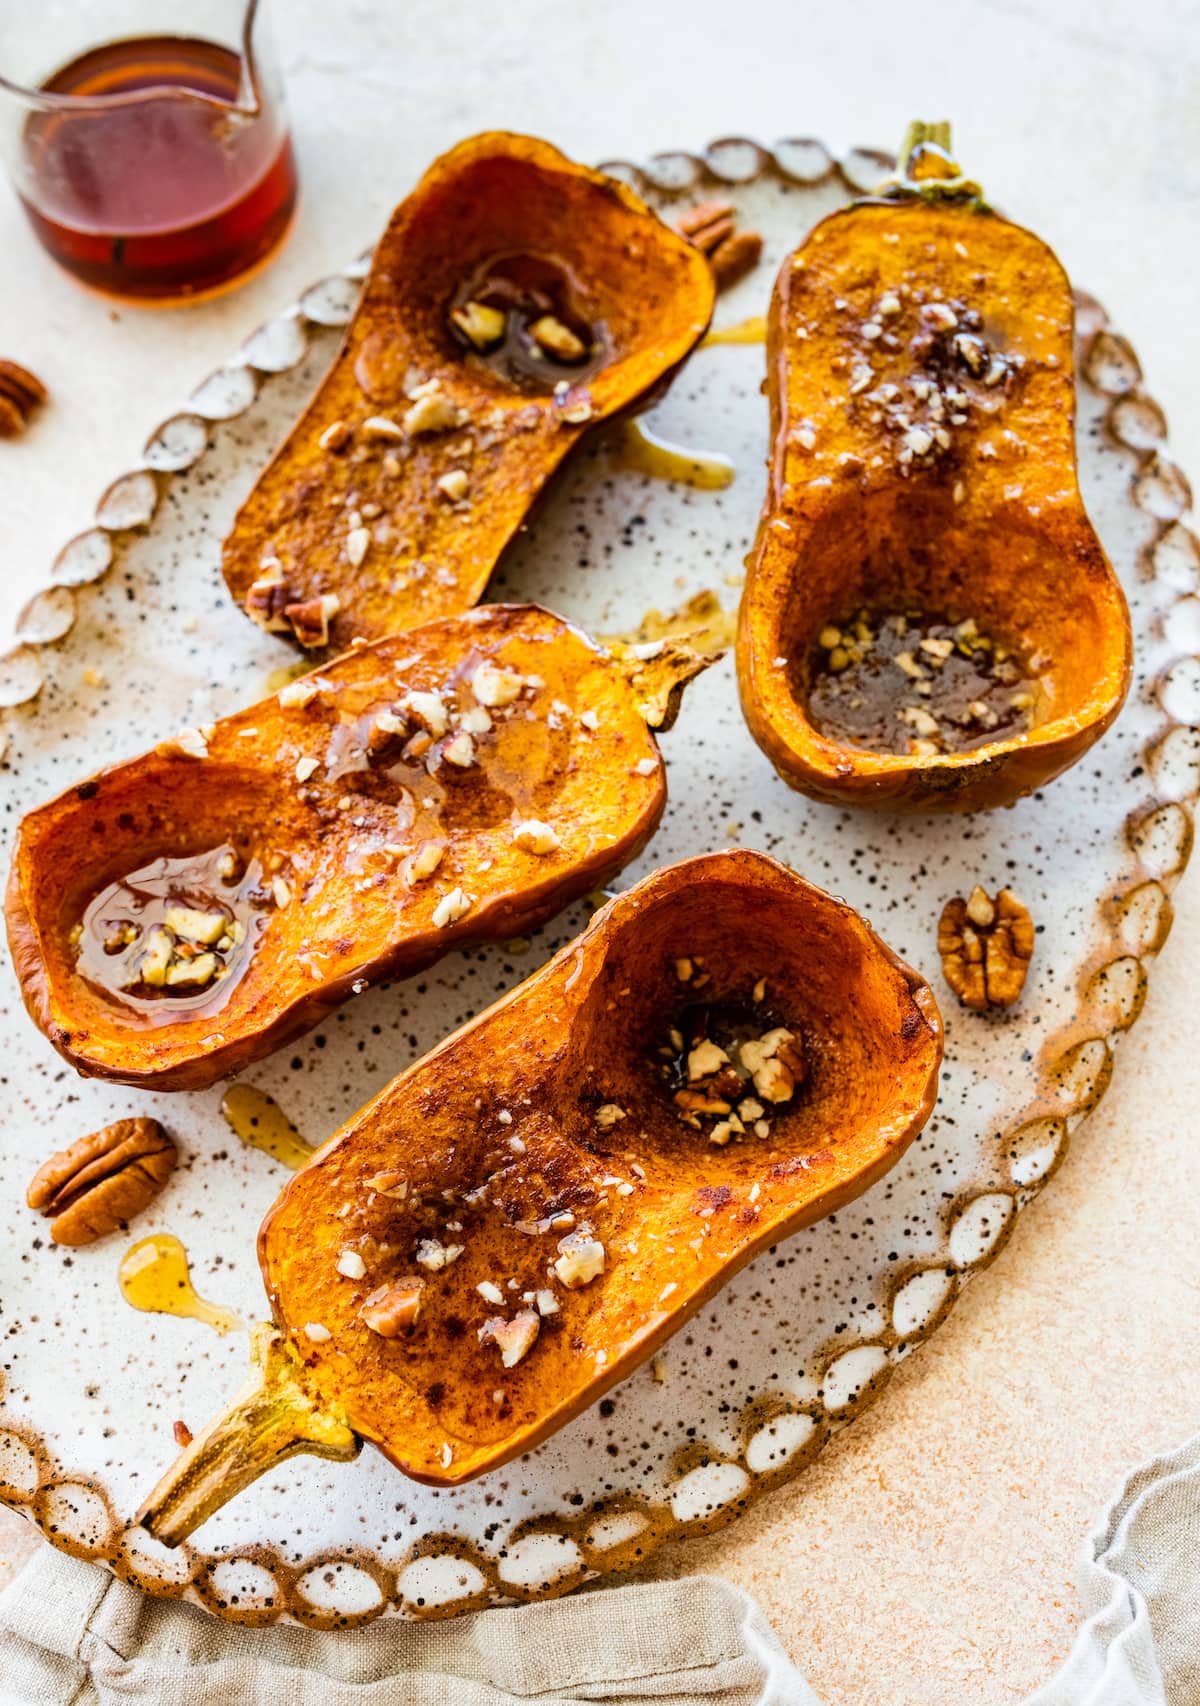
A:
[72, 1635]
[1139, 1579]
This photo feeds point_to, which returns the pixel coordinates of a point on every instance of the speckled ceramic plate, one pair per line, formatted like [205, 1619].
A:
[136, 638]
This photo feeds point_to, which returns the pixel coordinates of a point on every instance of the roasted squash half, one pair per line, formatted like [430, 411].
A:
[443, 416]
[177, 916]
[725, 1055]
[922, 391]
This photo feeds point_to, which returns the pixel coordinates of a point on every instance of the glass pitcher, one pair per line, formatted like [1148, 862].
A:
[152, 157]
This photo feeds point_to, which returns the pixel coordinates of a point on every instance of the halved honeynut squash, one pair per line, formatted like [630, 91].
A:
[516, 300]
[929, 621]
[725, 1055]
[178, 916]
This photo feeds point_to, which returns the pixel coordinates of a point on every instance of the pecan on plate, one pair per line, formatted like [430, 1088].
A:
[20, 394]
[711, 227]
[986, 946]
[100, 1183]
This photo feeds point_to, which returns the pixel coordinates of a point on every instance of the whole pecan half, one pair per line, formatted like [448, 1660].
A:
[986, 946]
[100, 1183]
[20, 394]
[711, 227]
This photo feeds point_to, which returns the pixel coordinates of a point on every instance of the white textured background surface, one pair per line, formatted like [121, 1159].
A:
[927, 1557]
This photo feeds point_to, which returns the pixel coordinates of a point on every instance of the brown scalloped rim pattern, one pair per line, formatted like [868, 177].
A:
[445, 1574]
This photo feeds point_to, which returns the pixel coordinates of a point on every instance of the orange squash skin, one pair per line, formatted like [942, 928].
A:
[354, 915]
[509, 1103]
[494, 193]
[995, 526]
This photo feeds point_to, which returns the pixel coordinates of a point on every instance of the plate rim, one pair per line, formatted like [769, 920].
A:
[1074, 1067]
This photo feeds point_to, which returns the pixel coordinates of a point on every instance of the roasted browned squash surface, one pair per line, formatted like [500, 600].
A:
[922, 389]
[175, 917]
[523, 1216]
[422, 452]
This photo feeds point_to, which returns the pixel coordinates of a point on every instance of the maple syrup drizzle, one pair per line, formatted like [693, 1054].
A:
[284, 673]
[137, 941]
[260, 1123]
[641, 450]
[524, 289]
[751, 331]
[154, 1277]
[702, 620]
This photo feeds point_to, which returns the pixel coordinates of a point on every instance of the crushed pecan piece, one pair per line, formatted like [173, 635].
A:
[20, 394]
[393, 1309]
[986, 946]
[100, 1183]
[268, 598]
[734, 257]
[310, 620]
[711, 227]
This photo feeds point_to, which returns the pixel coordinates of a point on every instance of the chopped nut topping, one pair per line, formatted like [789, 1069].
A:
[358, 541]
[433, 412]
[513, 1338]
[393, 1309]
[705, 1059]
[590, 720]
[474, 720]
[351, 1265]
[451, 908]
[310, 620]
[306, 767]
[460, 750]
[985, 959]
[547, 1303]
[534, 836]
[557, 339]
[430, 711]
[280, 892]
[196, 926]
[481, 324]
[490, 1292]
[192, 743]
[646, 766]
[455, 485]
[381, 426]
[335, 437]
[298, 693]
[425, 860]
[580, 1259]
[494, 686]
[959, 689]
[609, 1115]
[434, 1255]
[318, 1334]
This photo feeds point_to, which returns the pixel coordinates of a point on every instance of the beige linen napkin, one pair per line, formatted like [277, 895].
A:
[72, 1635]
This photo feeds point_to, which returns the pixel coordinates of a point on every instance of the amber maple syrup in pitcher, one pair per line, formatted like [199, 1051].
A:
[165, 173]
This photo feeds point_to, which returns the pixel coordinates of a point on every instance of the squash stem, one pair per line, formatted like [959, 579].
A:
[925, 167]
[919, 135]
[272, 1418]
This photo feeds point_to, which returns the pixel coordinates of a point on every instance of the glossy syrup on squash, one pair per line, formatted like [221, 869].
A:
[536, 331]
[174, 935]
[911, 683]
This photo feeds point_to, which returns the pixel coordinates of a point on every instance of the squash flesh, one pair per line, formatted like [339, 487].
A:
[352, 914]
[991, 527]
[509, 1104]
[649, 289]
